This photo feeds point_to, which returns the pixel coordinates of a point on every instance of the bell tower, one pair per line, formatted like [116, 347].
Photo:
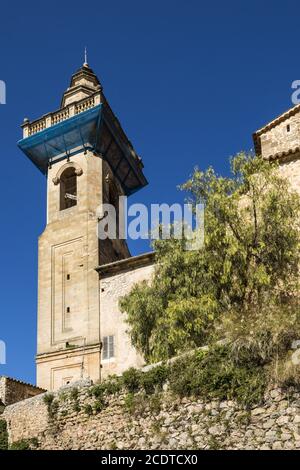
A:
[88, 160]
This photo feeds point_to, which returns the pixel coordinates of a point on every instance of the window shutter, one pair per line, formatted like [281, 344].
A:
[105, 347]
[111, 346]
[108, 347]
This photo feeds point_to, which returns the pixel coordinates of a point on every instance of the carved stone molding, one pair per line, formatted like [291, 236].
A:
[78, 171]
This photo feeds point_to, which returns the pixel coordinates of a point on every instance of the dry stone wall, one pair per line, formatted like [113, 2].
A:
[161, 421]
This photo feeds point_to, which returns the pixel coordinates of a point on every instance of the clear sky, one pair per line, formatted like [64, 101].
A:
[189, 80]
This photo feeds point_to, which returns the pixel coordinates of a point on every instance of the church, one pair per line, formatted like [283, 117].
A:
[88, 160]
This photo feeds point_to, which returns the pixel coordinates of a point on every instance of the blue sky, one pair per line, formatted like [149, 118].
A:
[189, 80]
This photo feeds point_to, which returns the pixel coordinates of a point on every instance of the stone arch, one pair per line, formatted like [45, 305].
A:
[78, 171]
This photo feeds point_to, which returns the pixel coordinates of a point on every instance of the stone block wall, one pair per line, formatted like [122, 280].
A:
[12, 391]
[291, 171]
[160, 421]
[282, 137]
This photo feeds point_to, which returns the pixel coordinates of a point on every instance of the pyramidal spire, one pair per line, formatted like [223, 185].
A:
[85, 64]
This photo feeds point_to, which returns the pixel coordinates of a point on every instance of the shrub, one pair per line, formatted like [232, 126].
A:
[88, 409]
[34, 442]
[52, 404]
[76, 406]
[284, 372]
[132, 379]
[260, 335]
[74, 393]
[3, 435]
[48, 398]
[214, 375]
[24, 444]
[63, 396]
[20, 445]
[154, 402]
[113, 445]
[97, 390]
[100, 404]
[130, 402]
[112, 385]
[154, 379]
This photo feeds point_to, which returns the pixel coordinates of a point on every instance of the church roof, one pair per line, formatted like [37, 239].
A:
[27, 384]
[126, 264]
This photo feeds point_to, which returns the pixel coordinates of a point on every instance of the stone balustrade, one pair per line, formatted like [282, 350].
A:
[84, 105]
[51, 119]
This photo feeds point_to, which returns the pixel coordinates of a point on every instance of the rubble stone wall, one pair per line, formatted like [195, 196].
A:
[159, 421]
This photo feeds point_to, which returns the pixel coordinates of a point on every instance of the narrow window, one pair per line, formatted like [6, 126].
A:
[68, 189]
[108, 347]
[113, 199]
[288, 128]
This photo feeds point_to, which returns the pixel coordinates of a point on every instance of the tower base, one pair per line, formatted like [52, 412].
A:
[60, 368]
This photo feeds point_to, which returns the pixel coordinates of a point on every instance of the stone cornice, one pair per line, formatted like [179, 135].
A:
[285, 155]
[88, 349]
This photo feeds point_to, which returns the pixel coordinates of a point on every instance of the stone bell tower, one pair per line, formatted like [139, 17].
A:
[87, 160]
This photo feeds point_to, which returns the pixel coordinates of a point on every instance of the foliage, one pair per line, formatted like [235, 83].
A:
[284, 372]
[20, 445]
[130, 402]
[54, 408]
[3, 435]
[24, 444]
[52, 404]
[63, 396]
[132, 379]
[110, 386]
[154, 379]
[113, 445]
[74, 393]
[262, 336]
[214, 443]
[100, 404]
[154, 402]
[211, 374]
[214, 375]
[248, 265]
[88, 409]
[76, 406]
[150, 381]
[48, 398]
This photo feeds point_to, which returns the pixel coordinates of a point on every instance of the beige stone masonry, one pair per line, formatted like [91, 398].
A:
[163, 422]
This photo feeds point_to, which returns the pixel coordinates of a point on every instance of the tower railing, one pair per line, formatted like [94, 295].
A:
[51, 119]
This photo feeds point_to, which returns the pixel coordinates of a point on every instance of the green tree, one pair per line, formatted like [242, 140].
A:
[249, 261]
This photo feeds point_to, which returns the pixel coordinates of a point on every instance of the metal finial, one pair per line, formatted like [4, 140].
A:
[85, 57]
